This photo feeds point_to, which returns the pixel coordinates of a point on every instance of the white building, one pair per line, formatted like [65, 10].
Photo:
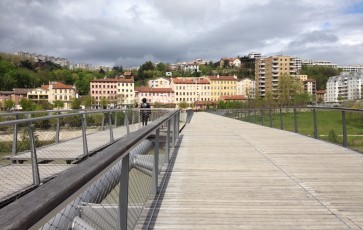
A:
[347, 86]
[352, 68]
[254, 55]
[319, 63]
[163, 96]
[354, 83]
[246, 87]
[159, 82]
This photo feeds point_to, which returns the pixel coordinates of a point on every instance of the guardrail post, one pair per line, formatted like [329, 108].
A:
[103, 121]
[168, 142]
[35, 168]
[270, 118]
[15, 139]
[57, 129]
[344, 126]
[154, 187]
[126, 122]
[110, 124]
[255, 116]
[281, 120]
[295, 121]
[123, 201]
[315, 125]
[262, 117]
[132, 117]
[116, 119]
[84, 135]
[173, 132]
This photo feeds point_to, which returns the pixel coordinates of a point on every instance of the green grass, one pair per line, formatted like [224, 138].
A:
[329, 125]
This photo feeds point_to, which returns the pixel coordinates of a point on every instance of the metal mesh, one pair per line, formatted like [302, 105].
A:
[37, 150]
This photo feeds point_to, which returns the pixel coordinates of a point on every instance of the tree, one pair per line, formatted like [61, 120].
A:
[288, 87]
[9, 104]
[58, 104]
[27, 105]
[75, 103]
[88, 101]
[104, 102]
[319, 73]
[183, 105]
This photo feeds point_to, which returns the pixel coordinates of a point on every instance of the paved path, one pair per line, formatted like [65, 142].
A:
[230, 174]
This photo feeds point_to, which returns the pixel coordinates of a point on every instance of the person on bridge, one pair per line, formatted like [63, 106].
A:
[144, 111]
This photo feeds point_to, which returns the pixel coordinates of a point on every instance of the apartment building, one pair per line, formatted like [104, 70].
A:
[159, 82]
[54, 91]
[337, 88]
[164, 96]
[269, 69]
[354, 83]
[118, 91]
[191, 90]
[310, 86]
[254, 55]
[222, 86]
[352, 68]
[246, 87]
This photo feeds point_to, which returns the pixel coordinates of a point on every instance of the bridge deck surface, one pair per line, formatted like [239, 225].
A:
[230, 174]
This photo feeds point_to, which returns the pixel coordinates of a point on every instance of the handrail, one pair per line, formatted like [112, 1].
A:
[28, 210]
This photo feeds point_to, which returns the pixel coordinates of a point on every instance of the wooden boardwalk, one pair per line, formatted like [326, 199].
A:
[230, 174]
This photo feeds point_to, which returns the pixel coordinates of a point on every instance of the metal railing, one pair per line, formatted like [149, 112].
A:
[35, 150]
[342, 126]
[106, 191]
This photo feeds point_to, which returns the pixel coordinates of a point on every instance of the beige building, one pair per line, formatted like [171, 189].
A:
[118, 91]
[191, 90]
[310, 86]
[159, 82]
[230, 62]
[163, 96]
[55, 91]
[268, 70]
[222, 86]
[246, 87]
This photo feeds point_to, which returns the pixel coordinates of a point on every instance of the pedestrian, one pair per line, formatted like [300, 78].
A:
[145, 111]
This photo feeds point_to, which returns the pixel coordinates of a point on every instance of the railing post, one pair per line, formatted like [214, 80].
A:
[15, 138]
[103, 121]
[255, 116]
[295, 121]
[84, 135]
[168, 142]
[344, 126]
[173, 132]
[124, 193]
[35, 168]
[315, 125]
[281, 120]
[133, 117]
[126, 122]
[116, 119]
[270, 118]
[57, 132]
[110, 124]
[262, 117]
[154, 187]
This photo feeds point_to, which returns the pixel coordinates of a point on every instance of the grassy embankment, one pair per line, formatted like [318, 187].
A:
[329, 125]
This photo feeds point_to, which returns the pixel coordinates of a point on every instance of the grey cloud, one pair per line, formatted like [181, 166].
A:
[315, 38]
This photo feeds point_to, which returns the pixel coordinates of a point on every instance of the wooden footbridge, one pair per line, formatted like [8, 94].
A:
[229, 174]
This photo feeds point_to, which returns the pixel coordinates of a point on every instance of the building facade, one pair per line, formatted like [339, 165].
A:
[54, 91]
[191, 90]
[247, 88]
[222, 86]
[159, 82]
[164, 96]
[269, 69]
[118, 91]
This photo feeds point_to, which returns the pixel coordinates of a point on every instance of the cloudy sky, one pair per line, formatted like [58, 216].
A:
[130, 32]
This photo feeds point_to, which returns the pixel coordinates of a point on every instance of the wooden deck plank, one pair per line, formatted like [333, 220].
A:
[230, 174]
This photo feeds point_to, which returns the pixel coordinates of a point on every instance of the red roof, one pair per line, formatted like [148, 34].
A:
[113, 80]
[233, 98]
[320, 91]
[190, 81]
[153, 90]
[57, 85]
[309, 80]
[222, 78]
